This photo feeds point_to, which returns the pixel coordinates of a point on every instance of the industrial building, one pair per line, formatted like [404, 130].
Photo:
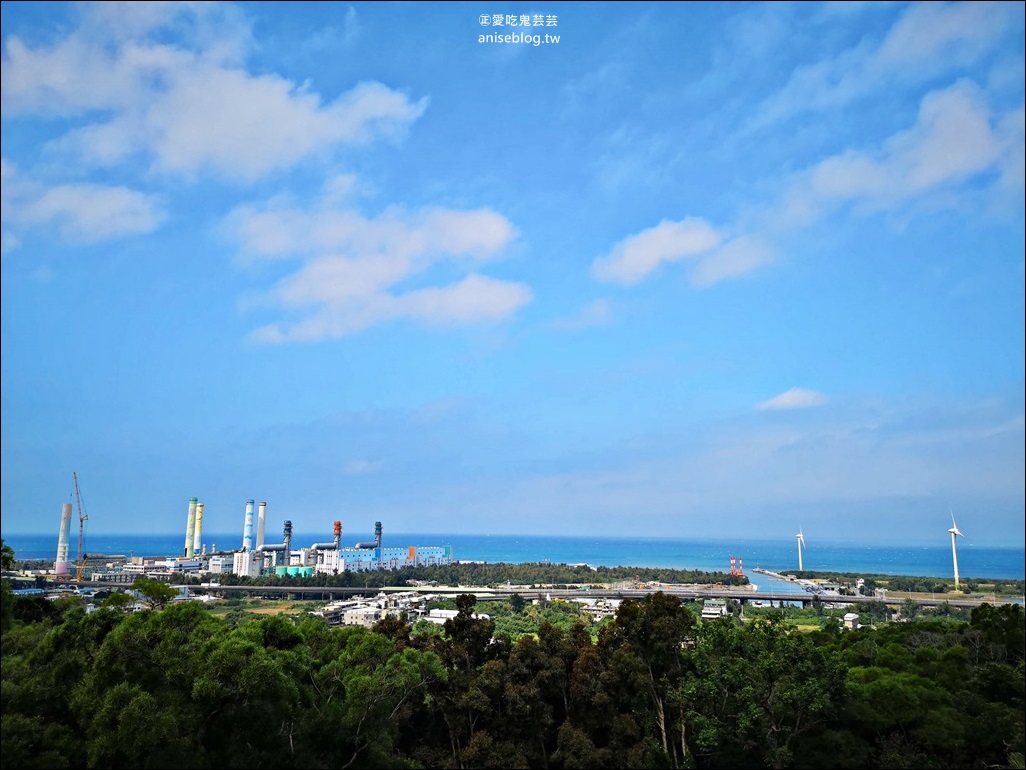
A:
[256, 557]
[330, 558]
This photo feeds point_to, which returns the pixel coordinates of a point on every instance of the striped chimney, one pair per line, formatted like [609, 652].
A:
[197, 542]
[63, 536]
[190, 526]
[247, 532]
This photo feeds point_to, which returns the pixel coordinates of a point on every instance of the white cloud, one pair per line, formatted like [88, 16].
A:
[68, 79]
[81, 211]
[636, 256]
[186, 111]
[1011, 131]
[362, 467]
[8, 242]
[351, 25]
[338, 188]
[596, 313]
[93, 212]
[956, 141]
[713, 260]
[944, 34]
[248, 126]
[928, 39]
[795, 398]
[951, 142]
[474, 299]
[354, 270]
[734, 259]
[281, 231]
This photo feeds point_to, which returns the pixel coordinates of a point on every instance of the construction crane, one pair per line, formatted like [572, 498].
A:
[80, 562]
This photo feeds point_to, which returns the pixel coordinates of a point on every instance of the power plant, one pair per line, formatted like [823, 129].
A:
[255, 557]
[260, 558]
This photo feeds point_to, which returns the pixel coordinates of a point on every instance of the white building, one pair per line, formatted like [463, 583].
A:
[247, 563]
[439, 616]
[219, 565]
[362, 616]
[714, 608]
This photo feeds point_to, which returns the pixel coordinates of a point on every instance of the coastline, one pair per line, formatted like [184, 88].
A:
[976, 563]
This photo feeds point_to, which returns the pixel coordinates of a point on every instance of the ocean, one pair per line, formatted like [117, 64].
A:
[974, 562]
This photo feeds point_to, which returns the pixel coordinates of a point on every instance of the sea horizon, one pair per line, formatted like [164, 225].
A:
[703, 554]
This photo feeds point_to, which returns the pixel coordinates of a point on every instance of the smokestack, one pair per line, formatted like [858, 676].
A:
[287, 539]
[247, 532]
[261, 517]
[197, 543]
[332, 546]
[63, 535]
[190, 526]
[376, 542]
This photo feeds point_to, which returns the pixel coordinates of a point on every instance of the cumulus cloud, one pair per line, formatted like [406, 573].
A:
[928, 39]
[957, 143]
[733, 259]
[954, 139]
[355, 271]
[474, 299]
[186, 111]
[81, 211]
[279, 231]
[636, 256]
[712, 259]
[795, 398]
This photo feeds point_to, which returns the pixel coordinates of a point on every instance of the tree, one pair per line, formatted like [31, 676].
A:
[7, 597]
[6, 606]
[6, 556]
[752, 691]
[1004, 627]
[157, 594]
[367, 689]
[647, 637]
[118, 600]
[909, 608]
[464, 649]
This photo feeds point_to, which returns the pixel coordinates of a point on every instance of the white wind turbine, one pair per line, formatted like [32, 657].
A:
[801, 546]
[954, 553]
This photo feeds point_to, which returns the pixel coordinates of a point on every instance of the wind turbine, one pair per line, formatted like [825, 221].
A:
[954, 553]
[801, 545]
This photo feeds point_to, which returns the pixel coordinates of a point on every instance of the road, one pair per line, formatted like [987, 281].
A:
[685, 592]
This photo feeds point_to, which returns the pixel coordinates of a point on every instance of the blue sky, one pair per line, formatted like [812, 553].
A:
[694, 269]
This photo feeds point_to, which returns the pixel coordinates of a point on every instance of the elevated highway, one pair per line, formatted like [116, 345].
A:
[742, 594]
